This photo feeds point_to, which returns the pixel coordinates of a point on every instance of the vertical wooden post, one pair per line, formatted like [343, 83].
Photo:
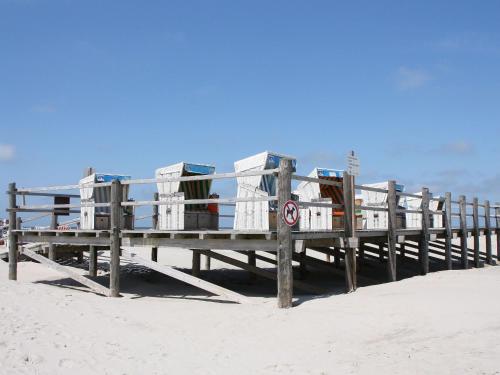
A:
[487, 231]
[12, 235]
[349, 233]
[116, 219]
[52, 247]
[448, 236]
[92, 261]
[497, 235]
[424, 239]
[154, 250]
[381, 252]
[195, 271]
[402, 250]
[475, 220]
[252, 261]
[336, 257]
[392, 236]
[285, 245]
[463, 231]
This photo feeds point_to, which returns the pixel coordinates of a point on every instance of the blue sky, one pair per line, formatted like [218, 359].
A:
[129, 86]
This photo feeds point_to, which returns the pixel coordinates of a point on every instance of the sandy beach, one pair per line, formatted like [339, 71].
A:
[444, 323]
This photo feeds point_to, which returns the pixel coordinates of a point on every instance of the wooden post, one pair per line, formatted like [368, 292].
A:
[349, 233]
[12, 235]
[448, 233]
[424, 239]
[381, 252]
[208, 262]
[116, 218]
[195, 270]
[154, 250]
[487, 232]
[402, 250]
[475, 220]
[52, 247]
[285, 245]
[392, 237]
[252, 261]
[336, 257]
[463, 231]
[92, 261]
[497, 220]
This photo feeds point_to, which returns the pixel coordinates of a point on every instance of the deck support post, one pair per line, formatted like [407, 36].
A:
[424, 238]
[349, 233]
[448, 236]
[13, 249]
[463, 231]
[285, 244]
[52, 247]
[475, 220]
[381, 252]
[92, 261]
[154, 226]
[497, 220]
[487, 232]
[392, 238]
[195, 270]
[402, 250]
[116, 219]
[252, 261]
[336, 257]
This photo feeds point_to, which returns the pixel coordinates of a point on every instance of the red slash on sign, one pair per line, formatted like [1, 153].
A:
[290, 213]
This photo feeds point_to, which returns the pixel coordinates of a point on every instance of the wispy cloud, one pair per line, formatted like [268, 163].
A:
[411, 78]
[43, 108]
[7, 152]
[456, 148]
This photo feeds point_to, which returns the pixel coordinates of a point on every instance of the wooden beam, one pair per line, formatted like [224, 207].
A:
[285, 244]
[487, 232]
[116, 216]
[497, 220]
[96, 287]
[448, 234]
[392, 231]
[252, 261]
[349, 233]
[13, 237]
[52, 247]
[475, 220]
[93, 261]
[463, 230]
[424, 238]
[196, 263]
[224, 293]
[154, 225]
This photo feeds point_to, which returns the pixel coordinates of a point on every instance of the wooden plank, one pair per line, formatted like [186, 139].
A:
[349, 233]
[116, 214]
[475, 220]
[13, 236]
[31, 237]
[463, 230]
[424, 238]
[285, 244]
[392, 232]
[487, 232]
[154, 249]
[224, 293]
[96, 287]
[448, 235]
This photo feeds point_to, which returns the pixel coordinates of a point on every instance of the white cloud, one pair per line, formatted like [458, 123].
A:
[7, 152]
[411, 78]
[469, 42]
[456, 148]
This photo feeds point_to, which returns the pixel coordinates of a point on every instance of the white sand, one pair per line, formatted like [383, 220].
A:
[443, 323]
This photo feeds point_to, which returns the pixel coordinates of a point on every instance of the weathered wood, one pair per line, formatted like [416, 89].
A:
[381, 250]
[285, 271]
[92, 261]
[475, 220]
[13, 238]
[448, 233]
[463, 230]
[116, 213]
[196, 266]
[392, 231]
[349, 233]
[96, 287]
[336, 257]
[188, 279]
[252, 261]
[154, 249]
[52, 247]
[497, 220]
[487, 232]
[424, 238]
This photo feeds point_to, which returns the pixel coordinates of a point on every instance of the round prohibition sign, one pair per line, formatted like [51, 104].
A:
[290, 213]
